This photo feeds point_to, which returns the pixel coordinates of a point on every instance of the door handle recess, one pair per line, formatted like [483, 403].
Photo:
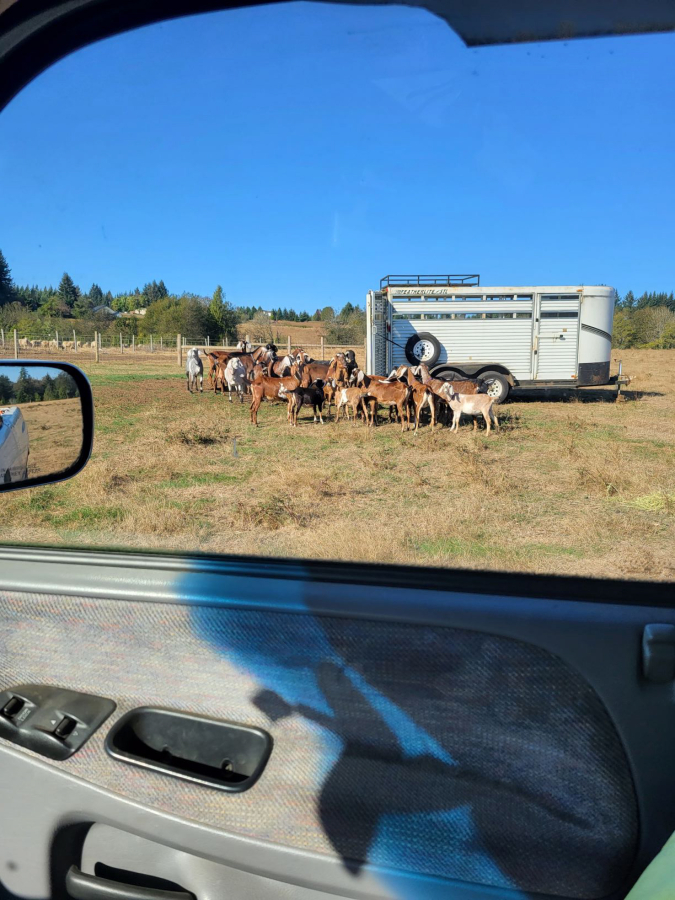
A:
[90, 887]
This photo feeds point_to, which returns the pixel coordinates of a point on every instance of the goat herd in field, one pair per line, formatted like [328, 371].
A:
[298, 380]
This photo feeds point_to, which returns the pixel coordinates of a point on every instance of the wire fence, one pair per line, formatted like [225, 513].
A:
[74, 346]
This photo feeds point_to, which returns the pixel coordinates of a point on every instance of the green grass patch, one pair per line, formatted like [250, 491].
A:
[658, 501]
[187, 480]
[99, 379]
[478, 549]
[89, 516]
[453, 547]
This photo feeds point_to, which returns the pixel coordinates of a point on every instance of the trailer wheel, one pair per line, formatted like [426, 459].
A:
[422, 348]
[497, 385]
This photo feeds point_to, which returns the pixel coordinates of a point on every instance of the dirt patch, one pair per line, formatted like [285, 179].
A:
[54, 435]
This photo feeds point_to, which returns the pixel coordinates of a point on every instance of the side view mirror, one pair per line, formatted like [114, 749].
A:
[46, 422]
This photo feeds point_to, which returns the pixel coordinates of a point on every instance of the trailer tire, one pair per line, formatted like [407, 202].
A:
[497, 385]
[422, 348]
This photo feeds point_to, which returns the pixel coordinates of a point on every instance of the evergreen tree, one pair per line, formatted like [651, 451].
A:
[96, 295]
[68, 292]
[162, 290]
[629, 300]
[317, 316]
[216, 309]
[24, 391]
[7, 292]
[83, 306]
[327, 314]
[6, 390]
[624, 334]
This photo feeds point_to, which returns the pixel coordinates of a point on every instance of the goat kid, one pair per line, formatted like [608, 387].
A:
[350, 396]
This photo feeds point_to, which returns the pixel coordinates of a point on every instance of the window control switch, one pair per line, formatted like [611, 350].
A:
[13, 707]
[66, 726]
[50, 720]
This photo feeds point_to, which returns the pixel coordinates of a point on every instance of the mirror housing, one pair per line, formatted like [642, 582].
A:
[40, 443]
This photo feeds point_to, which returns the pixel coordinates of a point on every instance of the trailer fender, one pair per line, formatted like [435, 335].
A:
[471, 370]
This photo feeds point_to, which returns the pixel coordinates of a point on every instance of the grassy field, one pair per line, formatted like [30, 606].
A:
[573, 484]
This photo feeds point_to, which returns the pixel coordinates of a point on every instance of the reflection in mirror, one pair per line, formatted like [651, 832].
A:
[41, 429]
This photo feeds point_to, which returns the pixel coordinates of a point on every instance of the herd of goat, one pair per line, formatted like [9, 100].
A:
[298, 380]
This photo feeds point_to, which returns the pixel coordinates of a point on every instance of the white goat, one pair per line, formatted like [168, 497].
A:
[235, 377]
[244, 346]
[194, 370]
[470, 404]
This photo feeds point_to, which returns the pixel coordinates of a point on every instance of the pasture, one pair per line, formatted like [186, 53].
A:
[572, 484]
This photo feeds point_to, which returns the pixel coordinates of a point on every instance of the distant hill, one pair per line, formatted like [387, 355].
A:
[300, 332]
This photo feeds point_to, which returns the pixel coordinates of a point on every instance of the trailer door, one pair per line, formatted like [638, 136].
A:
[377, 319]
[558, 337]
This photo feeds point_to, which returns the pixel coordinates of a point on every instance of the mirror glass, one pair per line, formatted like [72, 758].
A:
[42, 425]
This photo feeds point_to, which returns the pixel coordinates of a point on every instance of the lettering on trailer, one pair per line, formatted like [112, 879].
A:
[423, 291]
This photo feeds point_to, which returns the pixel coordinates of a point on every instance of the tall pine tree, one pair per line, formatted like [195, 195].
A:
[96, 295]
[68, 292]
[7, 293]
[216, 309]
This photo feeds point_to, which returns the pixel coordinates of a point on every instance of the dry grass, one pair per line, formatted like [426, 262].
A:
[55, 435]
[572, 484]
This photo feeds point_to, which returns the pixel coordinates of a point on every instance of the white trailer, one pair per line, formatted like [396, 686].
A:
[530, 336]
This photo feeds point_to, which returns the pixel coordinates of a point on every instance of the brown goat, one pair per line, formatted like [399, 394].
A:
[264, 387]
[387, 393]
[459, 386]
[421, 396]
[217, 357]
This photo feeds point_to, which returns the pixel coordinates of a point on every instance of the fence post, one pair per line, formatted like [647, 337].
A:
[133, 343]
[289, 345]
[96, 338]
[57, 340]
[247, 339]
[179, 350]
[74, 341]
[121, 344]
[323, 347]
[152, 350]
[16, 345]
[161, 342]
[3, 338]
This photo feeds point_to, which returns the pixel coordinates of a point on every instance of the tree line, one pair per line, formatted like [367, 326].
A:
[27, 389]
[38, 310]
[647, 321]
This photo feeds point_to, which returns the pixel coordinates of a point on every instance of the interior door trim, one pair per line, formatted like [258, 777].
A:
[117, 574]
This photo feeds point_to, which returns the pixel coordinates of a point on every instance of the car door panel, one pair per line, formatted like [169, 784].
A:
[426, 742]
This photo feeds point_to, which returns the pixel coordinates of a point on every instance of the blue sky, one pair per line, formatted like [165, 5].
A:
[13, 372]
[295, 154]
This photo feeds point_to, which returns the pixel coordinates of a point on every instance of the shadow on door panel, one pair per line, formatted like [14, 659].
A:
[434, 750]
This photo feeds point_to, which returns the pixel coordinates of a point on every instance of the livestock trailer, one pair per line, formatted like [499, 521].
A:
[13, 445]
[530, 336]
